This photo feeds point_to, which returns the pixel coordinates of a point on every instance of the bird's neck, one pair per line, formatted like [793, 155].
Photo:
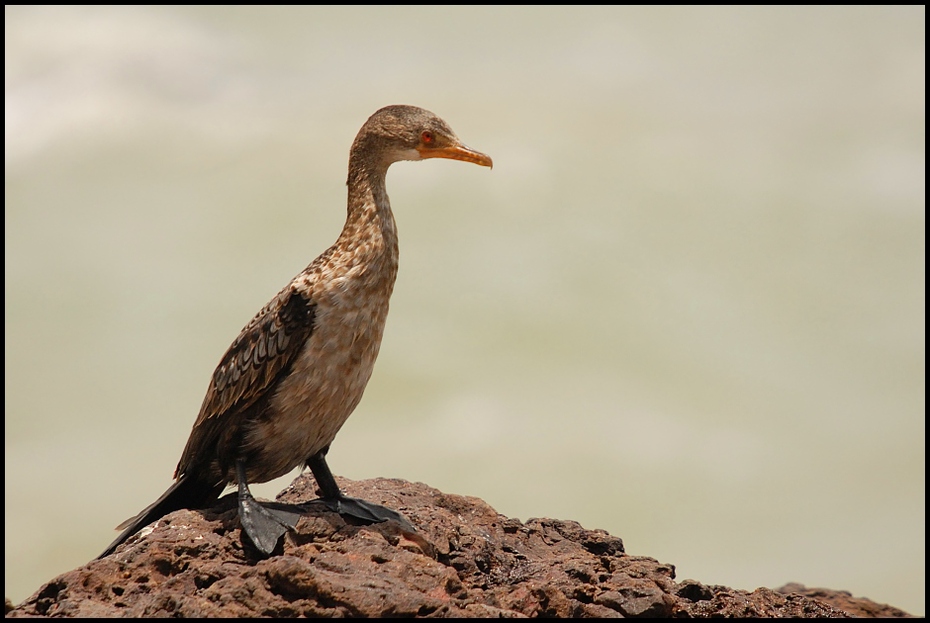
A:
[369, 232]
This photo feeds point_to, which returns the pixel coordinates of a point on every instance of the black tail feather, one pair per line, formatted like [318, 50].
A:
[187, 492]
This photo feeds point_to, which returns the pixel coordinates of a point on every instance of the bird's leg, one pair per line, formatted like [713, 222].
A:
[264, 526]
[344, 505]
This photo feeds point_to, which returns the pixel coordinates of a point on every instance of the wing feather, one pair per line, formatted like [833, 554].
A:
[264, 350]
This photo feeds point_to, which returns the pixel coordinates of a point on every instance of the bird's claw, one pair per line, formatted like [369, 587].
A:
[366, 511]
[264, 526]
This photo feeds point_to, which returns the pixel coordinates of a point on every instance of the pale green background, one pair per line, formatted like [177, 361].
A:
[686, 306]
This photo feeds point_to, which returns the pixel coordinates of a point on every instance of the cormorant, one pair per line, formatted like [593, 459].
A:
[296, 372]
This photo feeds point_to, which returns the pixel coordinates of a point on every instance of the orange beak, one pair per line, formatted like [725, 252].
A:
[456, 152]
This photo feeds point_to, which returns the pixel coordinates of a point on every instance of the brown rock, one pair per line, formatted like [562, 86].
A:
[466, 560]
[856, 606]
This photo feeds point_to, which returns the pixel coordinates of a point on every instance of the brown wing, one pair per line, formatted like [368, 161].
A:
[247, 372]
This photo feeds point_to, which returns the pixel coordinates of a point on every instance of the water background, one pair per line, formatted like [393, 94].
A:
[687, 305]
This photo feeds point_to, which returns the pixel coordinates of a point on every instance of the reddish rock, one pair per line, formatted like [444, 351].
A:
[465, 560]
[856, 606]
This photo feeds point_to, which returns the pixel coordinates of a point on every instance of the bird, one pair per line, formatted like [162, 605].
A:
[299, 368]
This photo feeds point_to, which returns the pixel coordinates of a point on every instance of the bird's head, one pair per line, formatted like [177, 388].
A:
[410, 133]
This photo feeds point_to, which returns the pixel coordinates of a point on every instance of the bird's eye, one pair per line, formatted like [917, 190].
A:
[427, 137]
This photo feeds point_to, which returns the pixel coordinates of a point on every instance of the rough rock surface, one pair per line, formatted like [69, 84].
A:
[465, 560]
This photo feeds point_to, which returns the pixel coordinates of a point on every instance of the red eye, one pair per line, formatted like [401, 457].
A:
[426, 137]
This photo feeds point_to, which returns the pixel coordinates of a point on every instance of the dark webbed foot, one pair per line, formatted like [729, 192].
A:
[365, 511]
[264, 526]
[332, 497]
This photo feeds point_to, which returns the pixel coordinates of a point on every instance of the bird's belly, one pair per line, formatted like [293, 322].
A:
[323, 387]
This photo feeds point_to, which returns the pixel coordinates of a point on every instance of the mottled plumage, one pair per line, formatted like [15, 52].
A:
[296, 372]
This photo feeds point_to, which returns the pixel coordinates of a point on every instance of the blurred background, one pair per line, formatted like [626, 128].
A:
[686, 306]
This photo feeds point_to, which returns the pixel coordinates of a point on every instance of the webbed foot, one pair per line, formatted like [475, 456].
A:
[264, 526]
[366, 511]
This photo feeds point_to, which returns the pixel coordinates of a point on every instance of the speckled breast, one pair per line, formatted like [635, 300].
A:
[329, 376]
